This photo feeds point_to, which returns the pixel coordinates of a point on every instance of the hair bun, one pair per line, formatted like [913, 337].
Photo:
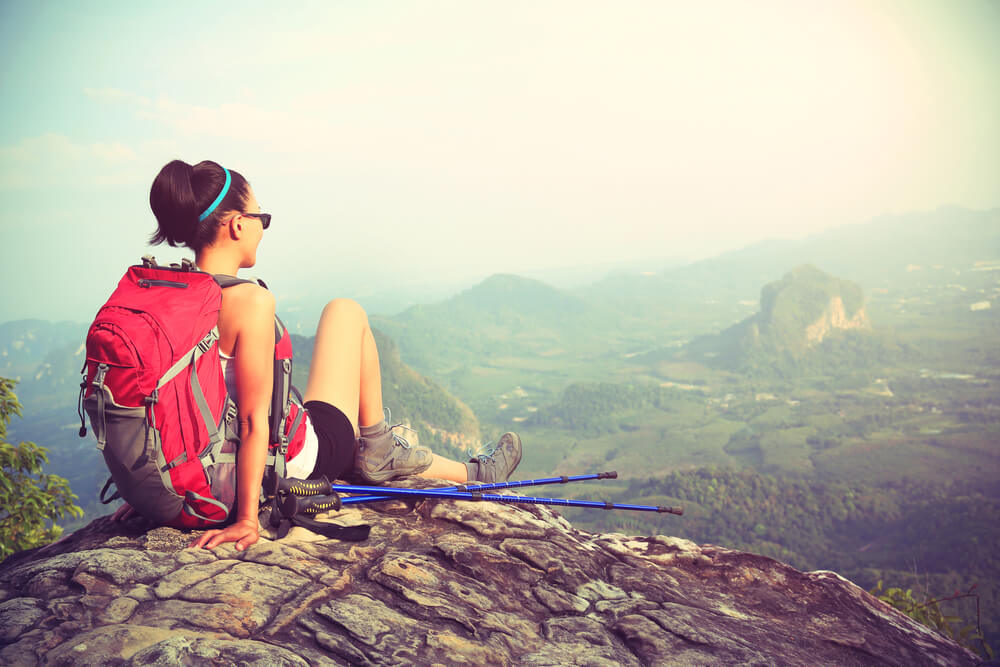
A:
[174, 204]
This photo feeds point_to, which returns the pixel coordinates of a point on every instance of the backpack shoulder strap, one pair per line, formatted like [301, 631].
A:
[225, 281]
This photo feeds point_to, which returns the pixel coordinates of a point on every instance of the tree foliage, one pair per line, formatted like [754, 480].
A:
[924, 609]
[29, 500]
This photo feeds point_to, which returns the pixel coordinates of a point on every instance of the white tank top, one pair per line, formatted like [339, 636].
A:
[299, 467]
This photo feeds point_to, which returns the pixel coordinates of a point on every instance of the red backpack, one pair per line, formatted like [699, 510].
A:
[157, 399]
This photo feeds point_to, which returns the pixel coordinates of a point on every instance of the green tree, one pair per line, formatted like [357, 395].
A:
[927, 610]
[29, 500]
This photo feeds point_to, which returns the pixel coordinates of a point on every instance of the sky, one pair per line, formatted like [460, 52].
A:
[400, 145]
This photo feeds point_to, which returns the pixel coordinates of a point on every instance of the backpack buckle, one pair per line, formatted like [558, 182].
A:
[206, 343]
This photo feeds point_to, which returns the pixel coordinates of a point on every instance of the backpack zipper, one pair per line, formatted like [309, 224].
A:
[153, 282]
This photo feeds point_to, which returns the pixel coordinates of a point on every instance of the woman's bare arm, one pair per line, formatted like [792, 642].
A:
[250, 309]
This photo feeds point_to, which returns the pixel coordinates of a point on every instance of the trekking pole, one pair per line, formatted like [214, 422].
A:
[321, 495]
[322, 485]
[375, 493]
[295, 504]
[497, 498]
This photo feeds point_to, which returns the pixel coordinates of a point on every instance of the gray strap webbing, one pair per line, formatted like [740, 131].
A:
[295, 422]
[189, 357]
[280, 462]
[179, 459]
[206, 413]
[189, 508]
[161, 460]
[102, 430]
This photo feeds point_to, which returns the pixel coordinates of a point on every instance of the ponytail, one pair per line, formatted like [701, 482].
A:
[189, 201]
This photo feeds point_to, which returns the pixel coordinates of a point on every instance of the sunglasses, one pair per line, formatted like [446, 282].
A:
[265, 218]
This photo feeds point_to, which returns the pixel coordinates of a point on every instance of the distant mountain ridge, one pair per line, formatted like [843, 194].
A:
[24, 344]
[873, 254]
[504, 314]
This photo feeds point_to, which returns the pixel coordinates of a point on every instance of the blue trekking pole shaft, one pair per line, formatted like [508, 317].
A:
[322, 486]
[376, 492]
[495, 497]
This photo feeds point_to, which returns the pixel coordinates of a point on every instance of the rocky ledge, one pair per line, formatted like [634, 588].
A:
[439, 582]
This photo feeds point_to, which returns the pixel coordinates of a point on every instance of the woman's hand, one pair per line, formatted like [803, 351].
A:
[243, 532]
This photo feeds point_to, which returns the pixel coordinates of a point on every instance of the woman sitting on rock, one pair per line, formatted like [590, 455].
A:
[214, 212]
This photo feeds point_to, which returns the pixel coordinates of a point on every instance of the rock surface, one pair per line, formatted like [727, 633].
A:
[440, 582]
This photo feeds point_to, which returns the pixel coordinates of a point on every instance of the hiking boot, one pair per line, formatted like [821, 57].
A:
[385, 456]
[497, 462]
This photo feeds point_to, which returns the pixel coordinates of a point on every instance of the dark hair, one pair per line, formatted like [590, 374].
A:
[180, 194]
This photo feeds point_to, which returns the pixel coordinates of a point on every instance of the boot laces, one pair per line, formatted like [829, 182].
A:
[398, 439]
[484, 453]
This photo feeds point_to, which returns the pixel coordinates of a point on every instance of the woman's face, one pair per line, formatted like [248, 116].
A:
[253, 230]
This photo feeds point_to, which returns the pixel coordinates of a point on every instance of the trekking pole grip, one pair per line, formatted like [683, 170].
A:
[292, 505]
[304, 487]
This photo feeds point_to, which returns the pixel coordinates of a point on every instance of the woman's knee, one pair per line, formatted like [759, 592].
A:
[345, 311]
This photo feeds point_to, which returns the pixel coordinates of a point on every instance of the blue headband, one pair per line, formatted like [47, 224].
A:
[218, 200]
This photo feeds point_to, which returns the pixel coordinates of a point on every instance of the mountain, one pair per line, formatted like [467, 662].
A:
[502, 315]
[26, 345]
[796, 314]
[893, 252]
[439, 582]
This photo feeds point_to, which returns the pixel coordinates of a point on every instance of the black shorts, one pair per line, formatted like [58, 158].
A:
[337, 444]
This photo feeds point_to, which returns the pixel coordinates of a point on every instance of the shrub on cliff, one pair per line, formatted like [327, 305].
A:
[29, 500]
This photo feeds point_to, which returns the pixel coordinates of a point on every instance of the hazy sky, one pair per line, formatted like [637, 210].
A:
[413, 142]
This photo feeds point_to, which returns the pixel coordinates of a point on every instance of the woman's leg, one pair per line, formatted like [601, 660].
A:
[442, 468]
[345, 369]
[345, 373]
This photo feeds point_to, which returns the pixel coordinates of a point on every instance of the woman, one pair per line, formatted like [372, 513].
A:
[213, 211]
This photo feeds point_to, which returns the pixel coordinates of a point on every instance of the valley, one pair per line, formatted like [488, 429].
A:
[883, 438]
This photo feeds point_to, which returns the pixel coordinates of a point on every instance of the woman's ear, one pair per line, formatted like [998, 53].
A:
[235, 226]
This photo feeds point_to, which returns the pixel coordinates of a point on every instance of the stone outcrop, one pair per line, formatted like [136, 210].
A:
[834, 318]
[439, 582]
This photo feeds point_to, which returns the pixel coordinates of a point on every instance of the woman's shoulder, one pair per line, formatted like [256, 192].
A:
[248, 298]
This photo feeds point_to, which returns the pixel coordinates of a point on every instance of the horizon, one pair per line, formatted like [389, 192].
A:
[387, 139]
[561, 277]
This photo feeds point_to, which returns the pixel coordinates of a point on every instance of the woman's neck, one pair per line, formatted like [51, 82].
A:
[217, 262]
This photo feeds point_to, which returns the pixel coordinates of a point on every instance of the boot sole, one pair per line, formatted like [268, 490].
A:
[390, 475]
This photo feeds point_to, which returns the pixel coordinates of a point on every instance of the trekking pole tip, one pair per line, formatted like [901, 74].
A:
[679, 511]
[613, 474]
